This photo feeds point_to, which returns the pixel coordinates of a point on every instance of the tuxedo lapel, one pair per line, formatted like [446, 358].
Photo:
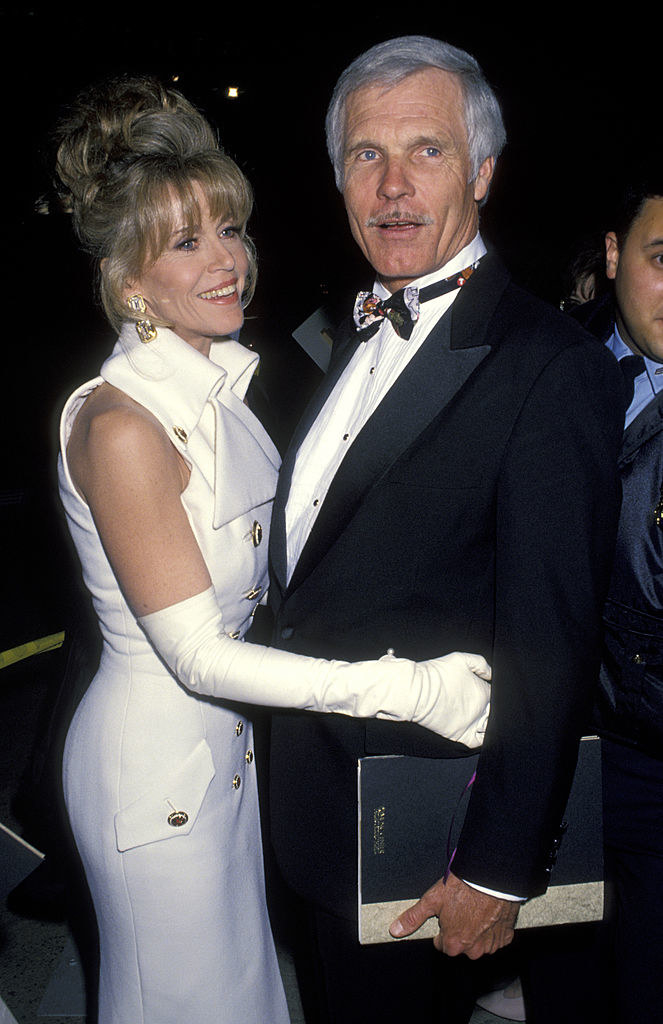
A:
[453, 350]
[448, 357]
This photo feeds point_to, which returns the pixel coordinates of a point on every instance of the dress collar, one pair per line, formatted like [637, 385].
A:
[169, 361]
[176, 382]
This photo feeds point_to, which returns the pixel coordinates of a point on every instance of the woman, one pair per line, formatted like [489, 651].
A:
[167, 480]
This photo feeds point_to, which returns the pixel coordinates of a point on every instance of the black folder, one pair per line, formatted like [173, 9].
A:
[411, 812]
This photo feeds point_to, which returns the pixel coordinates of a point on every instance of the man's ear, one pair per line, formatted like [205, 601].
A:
[611, 255]
[483, 179]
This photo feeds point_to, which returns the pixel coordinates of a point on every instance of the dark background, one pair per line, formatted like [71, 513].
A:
[579, 99]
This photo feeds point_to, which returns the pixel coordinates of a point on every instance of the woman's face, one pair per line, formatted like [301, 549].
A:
[197, 283]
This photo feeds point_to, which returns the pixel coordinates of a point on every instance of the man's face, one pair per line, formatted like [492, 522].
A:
[637, 270]
[410, 203]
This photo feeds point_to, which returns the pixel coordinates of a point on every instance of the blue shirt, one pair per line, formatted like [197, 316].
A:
[647, 385]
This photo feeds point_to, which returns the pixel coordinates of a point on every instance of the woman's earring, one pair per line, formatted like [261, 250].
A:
[144, 328]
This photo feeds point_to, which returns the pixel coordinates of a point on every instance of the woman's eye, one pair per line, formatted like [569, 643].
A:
[229, 231]
[187, 244]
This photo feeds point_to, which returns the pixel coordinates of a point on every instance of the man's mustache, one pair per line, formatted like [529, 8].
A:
[383, 219]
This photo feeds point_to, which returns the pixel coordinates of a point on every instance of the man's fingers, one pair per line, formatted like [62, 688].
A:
[416, 915]
[409, 921]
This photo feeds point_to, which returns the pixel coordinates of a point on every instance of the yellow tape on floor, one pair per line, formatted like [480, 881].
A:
[44, 643]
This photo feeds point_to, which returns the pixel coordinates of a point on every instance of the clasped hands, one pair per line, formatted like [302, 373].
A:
[471, 922]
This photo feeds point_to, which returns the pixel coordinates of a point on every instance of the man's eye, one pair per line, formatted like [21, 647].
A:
[368, 154]
[431, 151]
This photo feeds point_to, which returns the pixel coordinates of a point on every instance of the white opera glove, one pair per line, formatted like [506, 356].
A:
[454, 696]
[445, 695]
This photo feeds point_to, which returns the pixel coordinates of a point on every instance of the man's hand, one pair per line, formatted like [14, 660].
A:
[471, 922]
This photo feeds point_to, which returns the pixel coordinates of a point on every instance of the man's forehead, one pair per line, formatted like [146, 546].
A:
[421, 87]
[430, 97]
[648, 225]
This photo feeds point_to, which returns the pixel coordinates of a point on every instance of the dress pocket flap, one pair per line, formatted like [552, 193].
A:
[170, 805]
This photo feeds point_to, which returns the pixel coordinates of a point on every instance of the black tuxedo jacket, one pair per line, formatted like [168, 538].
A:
[475, 511]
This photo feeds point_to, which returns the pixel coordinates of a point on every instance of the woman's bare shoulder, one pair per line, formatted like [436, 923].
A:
[108, 412]
[114, 433]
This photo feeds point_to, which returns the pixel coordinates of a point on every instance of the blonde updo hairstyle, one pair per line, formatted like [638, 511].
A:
[124, 151]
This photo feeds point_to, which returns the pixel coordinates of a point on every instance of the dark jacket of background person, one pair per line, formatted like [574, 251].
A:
[630, 701]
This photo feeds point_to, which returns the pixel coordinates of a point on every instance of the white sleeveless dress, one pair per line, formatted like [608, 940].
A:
[160, 784]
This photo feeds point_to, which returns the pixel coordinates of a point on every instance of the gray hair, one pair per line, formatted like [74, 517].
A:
[389, 63]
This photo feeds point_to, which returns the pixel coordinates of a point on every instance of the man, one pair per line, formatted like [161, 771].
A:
[631, 688]
[453, 490]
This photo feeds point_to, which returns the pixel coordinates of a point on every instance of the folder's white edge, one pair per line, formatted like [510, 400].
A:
[561, 904]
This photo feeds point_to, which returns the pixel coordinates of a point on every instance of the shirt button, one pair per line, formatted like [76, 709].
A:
[237, 782]
[248, 757]
[239, 728]
[256, 533]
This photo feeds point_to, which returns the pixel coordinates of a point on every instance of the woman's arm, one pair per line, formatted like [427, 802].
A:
[132, 479]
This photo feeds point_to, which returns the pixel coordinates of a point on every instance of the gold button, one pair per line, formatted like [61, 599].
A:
[239, 728]
[181, 434]
[248, 757]
[237, 782]
[637, 659]
[253, 593]
[256, 533]
[178, 818]
[235, 634]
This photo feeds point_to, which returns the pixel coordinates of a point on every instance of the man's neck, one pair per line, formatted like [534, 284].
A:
[469, 254]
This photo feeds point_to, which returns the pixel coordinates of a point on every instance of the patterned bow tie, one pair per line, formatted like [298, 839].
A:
[402, 308]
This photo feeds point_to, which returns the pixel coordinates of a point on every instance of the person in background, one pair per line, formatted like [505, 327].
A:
[629, 318]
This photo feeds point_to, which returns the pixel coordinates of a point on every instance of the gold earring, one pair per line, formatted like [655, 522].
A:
[144, 328]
